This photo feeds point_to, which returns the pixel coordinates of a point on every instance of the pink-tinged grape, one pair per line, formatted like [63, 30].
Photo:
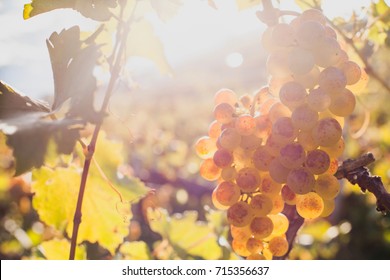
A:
[250, 143]
[216, 202]
[261, 95]
[309, 80]
[283, 130]
[278, 246]
[352, 72]
[223, 158]
[330, 32]
[263, 126]
[262, 158]
[335, 150]
[240, 233]
[280, 223]
[269, 187]
[305, 138]
[318, 100]
[288, 195]
[229, 173]
[239, 248]
[327, 132]
[242, 158]
[246, 101]
[292, 94]
[327, 186]
[277, 64]
[329, 206]
[310, 34]
[343, 103]
[317, 162]
[300, 181]
[275, 83]
[332, 80]
[328, 52]
[229, 139]
[283, 35]
[292, 155]
[209, 171]
[254, 245]
[261, 205]
[245, 125]
[266, 106]
[361, 84]
[273, 145]
[278, 171]
[300, 61]
[304, 118]
[227, 193]
[310, 205]
[223, 113]
[239, 214]
[205, 147]
[248, 179]
[215, 129]
[225, 96]
[255, 257]
[334, 165]
[261, 227]
[313, 15]
[277, 111]
[343, 57]
[278, 204]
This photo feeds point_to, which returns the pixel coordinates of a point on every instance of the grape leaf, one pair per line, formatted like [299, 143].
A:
[94, 9]
[142, 41]
[58, 249]
[245, 4]
[187, 235]
[136, 250]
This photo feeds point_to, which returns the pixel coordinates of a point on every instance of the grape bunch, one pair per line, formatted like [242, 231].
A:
[281, 145]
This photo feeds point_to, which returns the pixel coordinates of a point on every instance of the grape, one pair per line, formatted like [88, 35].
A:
[223, 113]
[273, 145]
[245, 125]
[283, 35]
[277, 64]
[277, 111]
[269, 187]
[209, 171]
[310, 34]
[239, 248]
[352, 72]
[276, 83]
[309, 80]
[215, 129]
[283, 130]
[254, 245]
[246, 101]
[310, 205]
[292, 155]
[335, 150]
[227, 193]
[263, 126]
[242, 158]
[328, 52]
[261, 205]
[329, 206]
[239, 214]
[229, 139]
[313, 15]
[229, 173]
[318, 100]
[248, 179]
[278, 204]
[330, 32]
[292, 94]
[334, 164]
[223, 158]
[304, 118]
[332, 80]
[255, 257]
[216, 202]
[261, 227]
[267, 254]
[240, 233]
[300, 181]
[300, 61]
[280, 223]
[205, 147]
[278, 246]
[327, 132]
[327, 186]
[266, 106]
[262, 158]
[343, 104]
[305, 138]
[225, 96]
[278, 171]
[288, 195]
[317, 162]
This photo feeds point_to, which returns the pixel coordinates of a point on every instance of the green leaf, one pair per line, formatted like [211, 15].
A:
[58, 249]
[246, 4]
[137, 250]
[189, 237]
[94, 9]
[308, 4]
[142, 41]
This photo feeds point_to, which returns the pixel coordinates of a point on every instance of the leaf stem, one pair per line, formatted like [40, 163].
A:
[115, 71]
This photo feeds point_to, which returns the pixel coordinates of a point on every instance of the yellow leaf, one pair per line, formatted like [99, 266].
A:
[142, 41]
[245, 4]
[58, 249]
[137, 250]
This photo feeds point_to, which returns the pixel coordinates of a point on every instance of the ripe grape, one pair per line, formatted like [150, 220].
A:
[332, 80]
[227, 193]
[261, 205]
[304, 118]
[223, 113]
[229, 139]
[239, 214]
[254, 245]
[269, 187]
[229, 173]
[283, 130]
[313, 15]
[310, 34]
[327, 132]
[305, 138]
[239, 247]
[261, 227]
[277, 111]
[240, 233]
[292, 155]
[248, 179]
[317, 162]
[300, 61]
[215, 129]
[225, 96]
[262, 158]
[280, 223]
[335, 150]
[329, 206]
[351, 71]
[288, 195]
[292, 94]
[318, 100]
[223, 158]
[263, 126]
[278, 204]
[278, 246]
[343, 104]
[327, 186]
[278, 171]
[310, 205]
[300, 180]
[205, 147]
[209, 171]
[245, 125]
